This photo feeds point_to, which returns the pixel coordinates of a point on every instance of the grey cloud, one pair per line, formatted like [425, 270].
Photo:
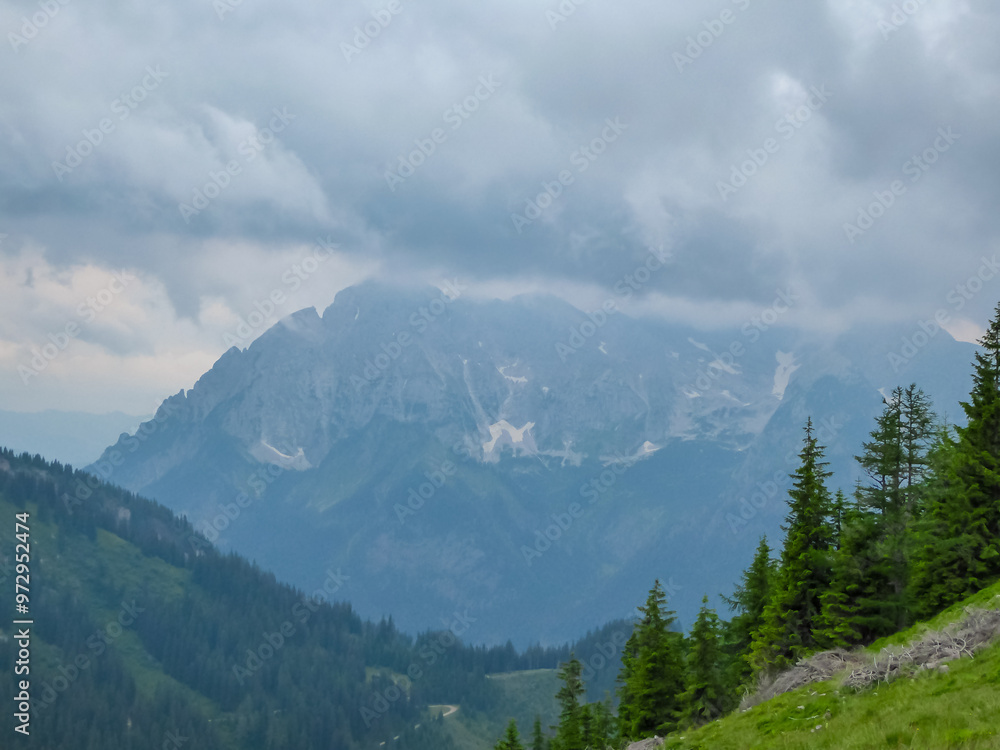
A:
[354, 118]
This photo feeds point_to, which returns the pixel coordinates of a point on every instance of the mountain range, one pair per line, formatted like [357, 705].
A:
[524, 463]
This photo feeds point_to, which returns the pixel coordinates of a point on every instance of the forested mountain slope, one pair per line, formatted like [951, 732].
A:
[144, 634]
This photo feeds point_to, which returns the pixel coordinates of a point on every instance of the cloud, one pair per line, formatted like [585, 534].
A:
[700, 87]
[86, 336]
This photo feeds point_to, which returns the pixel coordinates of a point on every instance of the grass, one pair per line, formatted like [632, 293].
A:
[523, 695]
[959, 708]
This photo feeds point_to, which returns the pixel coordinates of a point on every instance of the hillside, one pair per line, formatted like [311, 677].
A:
[142, 624]
[937, 708]
[137, 614]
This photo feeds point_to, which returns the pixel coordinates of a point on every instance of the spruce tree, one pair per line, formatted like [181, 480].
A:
[954, 550]
[850, 609]
[586, 725]
[628, 711]
[882, 460]
[705, 697]
[790, 618]
[748, 601]
[839, 510]
[868, 594]
[511, 740]
[917, 423]
[959, 543]
[979, 443]
[537, 738]
[652, 671]
[602, 725]
[569, 735]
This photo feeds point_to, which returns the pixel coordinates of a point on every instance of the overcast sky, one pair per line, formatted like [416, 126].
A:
[176, 162]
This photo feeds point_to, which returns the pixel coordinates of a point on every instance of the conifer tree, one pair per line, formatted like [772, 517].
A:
[868, 593]
[705, 696]
[954, 550]
[511, 740]
[839, 509]
[537, 738]
[850, 610]
[790, 618]
[896, 461]
[979, 443]
[918, 432]
[569, 735]
[602, 725]
[882, 460]
[959, 543]
[627, 707]
[652, 671]
[748, 601]
[586, 725]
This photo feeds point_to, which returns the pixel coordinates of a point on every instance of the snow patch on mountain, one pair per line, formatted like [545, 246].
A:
[268, 454]
[782, 374]
[567, 454]
[720, 365]
[512, 378]
[645, 450]
[731, 397]
[504, 433]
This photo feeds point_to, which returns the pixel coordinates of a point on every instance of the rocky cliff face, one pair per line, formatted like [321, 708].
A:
[534, 463]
